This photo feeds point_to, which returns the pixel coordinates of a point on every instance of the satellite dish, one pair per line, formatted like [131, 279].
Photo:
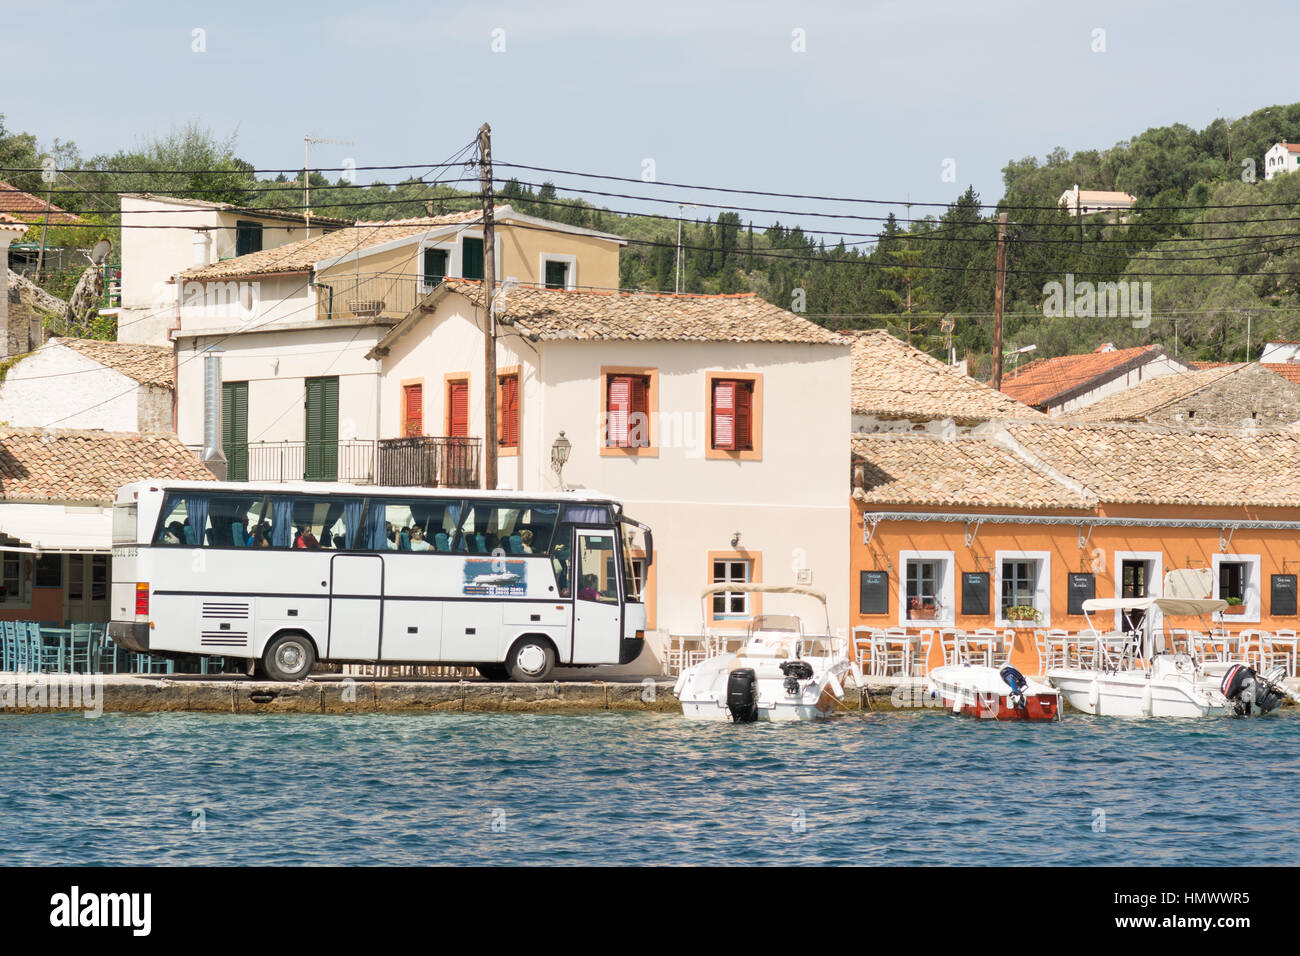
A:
[100, 252]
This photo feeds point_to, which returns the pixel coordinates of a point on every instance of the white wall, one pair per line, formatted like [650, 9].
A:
[1166, 365]
[58, 386]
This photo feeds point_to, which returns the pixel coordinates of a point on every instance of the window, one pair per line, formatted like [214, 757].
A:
[1019, 584]
[732, 414]
[471, 258]
[322, 408]
[458, 408]
[248, 237]
[627, 417]
[1023, 581]
[234, 429]
[508, 410]
[412, 410]
[922, 589]
[558, 271]
[927, 586]
[1237, 580]
[435, 266]
[310, 523]
[1232, 581]
[596, 580]
[76, 577]
[410, 524]
[636, 581]
[198, 520]
[49, 570]
[11, 578]
[511, 527]
[98, 577]
[731, 604]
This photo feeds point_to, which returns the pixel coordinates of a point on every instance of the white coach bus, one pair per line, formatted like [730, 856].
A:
[510, 582]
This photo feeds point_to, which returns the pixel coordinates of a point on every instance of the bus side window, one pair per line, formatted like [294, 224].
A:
[562, 564]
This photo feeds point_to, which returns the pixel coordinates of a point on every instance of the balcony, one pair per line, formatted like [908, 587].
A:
[376, 295]
[426, 462]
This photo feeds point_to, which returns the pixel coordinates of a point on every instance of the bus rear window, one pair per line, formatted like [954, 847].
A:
[124, 521]
[512, 527]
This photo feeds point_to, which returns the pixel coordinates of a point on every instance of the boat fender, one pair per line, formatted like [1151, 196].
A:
[1147, 700]
[1094, 697]
[742, 695]
[794, 672]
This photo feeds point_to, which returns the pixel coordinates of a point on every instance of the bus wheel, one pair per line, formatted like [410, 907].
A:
[493, 672]
[531, 659]
[289, 657]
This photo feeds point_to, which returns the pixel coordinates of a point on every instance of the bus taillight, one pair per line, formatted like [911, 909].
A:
[142, 598]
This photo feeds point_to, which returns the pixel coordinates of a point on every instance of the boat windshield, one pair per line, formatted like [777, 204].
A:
[776, 624]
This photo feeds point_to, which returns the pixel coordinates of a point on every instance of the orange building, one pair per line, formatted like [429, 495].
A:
[956, 530]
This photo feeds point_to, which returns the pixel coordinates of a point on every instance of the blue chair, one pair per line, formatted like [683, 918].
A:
[441, 541]
[237, 533]
[82, 649]
[8, 647]
[47, 653]
[515, 544]
[404, 541]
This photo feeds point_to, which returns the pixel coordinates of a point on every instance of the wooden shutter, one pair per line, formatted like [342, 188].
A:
[618, 408]
[471, 258]
[639, 407]
[234, 429]
[435, 266]
[322, 431]
[744, 415]
[724, 414]
[458, 405]
[508, 403]
[413, 411]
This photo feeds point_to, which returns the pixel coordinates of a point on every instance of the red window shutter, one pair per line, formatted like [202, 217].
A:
[458, 398]
[509, 403]
[724, 414]
[413, 411]
[639, 423]
[618, 408]
[744, 415]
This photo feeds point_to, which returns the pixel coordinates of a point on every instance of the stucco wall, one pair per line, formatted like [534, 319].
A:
[1165, 365]
[57, 386]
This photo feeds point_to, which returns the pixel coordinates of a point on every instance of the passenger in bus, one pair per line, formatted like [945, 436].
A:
[588, 590]
[175, 533]
[526, 541]
[391, 532]
[261, 537]
[305, 539]
[562, 561]
[417, 540]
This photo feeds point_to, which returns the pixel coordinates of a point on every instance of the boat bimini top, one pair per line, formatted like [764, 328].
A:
[1173, 606]
[783, 633]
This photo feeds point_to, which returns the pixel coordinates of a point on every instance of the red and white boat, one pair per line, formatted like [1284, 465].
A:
[993, 693]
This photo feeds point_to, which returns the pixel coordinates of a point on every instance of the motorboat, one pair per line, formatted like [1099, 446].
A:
[993, 693]
[779, 672]
[1145, 679]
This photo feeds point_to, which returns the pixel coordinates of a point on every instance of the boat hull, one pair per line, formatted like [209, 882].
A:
[1135, 695]
[702, 689]
[982, 693]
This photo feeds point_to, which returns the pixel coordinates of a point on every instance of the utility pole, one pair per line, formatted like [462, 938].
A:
[489, 325]
[999, 293]
[306, 174]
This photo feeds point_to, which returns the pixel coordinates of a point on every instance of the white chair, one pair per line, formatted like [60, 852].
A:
[950, 638]
[887, 654]
[862, 648]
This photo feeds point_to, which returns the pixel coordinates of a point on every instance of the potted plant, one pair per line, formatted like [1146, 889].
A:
[1023, 612]
[1235, 606]
[921, 609]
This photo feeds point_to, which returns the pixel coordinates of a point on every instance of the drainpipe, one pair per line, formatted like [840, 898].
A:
[213, 457]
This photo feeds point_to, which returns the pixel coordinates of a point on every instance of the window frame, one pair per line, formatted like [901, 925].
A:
[571, 272]
[249, 227]
[447, 250]
[754, 600]
[945, 587]
[1042, 587]
[651, 375]
[755, 451]
[1252, 585]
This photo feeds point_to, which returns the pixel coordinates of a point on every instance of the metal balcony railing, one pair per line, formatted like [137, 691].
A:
[427, 462]
[376, 295]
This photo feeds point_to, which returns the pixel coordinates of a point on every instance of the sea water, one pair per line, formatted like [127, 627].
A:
[643, 788]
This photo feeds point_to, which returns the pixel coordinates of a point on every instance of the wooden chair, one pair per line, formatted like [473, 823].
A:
[950, 638]
[887, 653]
[862, 648]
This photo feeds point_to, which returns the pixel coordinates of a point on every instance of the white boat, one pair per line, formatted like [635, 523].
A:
[993, 693]
[1146, 680]
[779, 673]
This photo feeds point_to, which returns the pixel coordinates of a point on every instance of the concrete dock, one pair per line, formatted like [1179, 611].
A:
[330, 694]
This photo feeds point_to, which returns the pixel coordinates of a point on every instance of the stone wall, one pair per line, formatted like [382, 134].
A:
[1254, 396]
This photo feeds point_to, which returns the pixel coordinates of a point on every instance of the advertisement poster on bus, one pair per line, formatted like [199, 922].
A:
[495, 577]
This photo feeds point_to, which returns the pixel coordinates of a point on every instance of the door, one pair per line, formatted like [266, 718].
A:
[322, 429]
[1133, 584]
[87, 588]
[234, 429]
[356, 606]
[597, 613]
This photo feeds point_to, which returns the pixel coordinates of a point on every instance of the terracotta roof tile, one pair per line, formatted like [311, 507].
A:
[1288, 370]
[892, 379]
[147, 364]
[31, 208]
[584, 315]
[961, 471]
[1134, 404]
[302, 255]
[69, 465]
[1047, 381]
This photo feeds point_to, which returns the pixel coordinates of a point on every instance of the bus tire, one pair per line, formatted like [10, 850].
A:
[531, 659]
[289, 657]
[493, 672]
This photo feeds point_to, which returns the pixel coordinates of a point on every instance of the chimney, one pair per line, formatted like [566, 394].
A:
[213, 456]
[202, 248]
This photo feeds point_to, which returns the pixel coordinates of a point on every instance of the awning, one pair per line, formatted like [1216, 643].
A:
[38, 528]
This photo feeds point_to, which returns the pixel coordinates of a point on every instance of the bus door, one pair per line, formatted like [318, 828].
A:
[597, 611]
[356, 606]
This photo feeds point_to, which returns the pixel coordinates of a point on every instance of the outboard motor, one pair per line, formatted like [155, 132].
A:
[742, 695]
[794, 672]
[1250, 692]
[1016, 681]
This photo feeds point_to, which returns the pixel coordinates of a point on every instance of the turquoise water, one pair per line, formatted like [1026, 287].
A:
[631, 788]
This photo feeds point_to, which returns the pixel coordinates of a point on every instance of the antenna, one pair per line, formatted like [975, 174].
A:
[306, 172]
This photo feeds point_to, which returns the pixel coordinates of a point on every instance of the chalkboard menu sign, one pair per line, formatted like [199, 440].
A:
[975, 592]
[1283, 595]
[873, 592]
[1081, 588]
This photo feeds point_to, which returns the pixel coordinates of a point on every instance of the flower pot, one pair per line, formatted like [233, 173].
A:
[1235, 609]
[922, 614]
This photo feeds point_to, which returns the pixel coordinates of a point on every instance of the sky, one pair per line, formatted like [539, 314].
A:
[888, 100]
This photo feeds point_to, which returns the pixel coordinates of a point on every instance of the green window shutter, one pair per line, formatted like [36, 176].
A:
[234, 429]
[322, 432]
[471, 258]
[435, 266]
